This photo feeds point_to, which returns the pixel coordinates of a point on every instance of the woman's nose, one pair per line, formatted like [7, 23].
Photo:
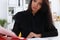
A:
[36, 5]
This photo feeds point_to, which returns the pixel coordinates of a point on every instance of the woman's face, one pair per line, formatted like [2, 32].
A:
[36, 5]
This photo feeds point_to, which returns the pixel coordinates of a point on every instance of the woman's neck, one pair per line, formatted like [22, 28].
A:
[33, 13]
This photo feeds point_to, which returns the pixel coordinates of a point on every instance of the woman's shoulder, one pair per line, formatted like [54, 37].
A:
[19, 14]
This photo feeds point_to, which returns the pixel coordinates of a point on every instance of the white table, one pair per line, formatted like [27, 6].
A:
[37, 39]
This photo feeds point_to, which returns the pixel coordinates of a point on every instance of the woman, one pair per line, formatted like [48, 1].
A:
[36, 21]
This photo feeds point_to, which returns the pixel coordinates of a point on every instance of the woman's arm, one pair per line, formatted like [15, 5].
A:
[51, 31]
[16, 28]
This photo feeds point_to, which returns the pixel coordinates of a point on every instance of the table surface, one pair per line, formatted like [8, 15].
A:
[10, 38]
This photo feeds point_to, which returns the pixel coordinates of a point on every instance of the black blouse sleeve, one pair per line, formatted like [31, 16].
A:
[16, 28]
[51, 31]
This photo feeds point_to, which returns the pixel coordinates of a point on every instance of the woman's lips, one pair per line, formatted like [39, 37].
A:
[34, 8]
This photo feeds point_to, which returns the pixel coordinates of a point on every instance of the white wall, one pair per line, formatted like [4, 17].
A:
[55, 6]
[13, 3]
[3, 9]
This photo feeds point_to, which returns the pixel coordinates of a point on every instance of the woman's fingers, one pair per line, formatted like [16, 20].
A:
[31, 34]
[38, 36]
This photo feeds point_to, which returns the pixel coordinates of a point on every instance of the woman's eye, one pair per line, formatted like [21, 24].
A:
[34, 0]
[40, 3]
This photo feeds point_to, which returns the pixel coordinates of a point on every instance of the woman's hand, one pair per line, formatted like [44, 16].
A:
[31, 35]
[38, 35]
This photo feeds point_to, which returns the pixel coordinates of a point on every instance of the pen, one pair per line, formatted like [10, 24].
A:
[20, 34]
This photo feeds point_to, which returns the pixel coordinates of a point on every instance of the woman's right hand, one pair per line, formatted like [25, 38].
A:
[31, 35]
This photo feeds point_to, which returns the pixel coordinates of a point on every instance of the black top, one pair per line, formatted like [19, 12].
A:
[25, 22]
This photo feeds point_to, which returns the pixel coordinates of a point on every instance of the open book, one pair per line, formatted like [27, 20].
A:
[7, 32]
